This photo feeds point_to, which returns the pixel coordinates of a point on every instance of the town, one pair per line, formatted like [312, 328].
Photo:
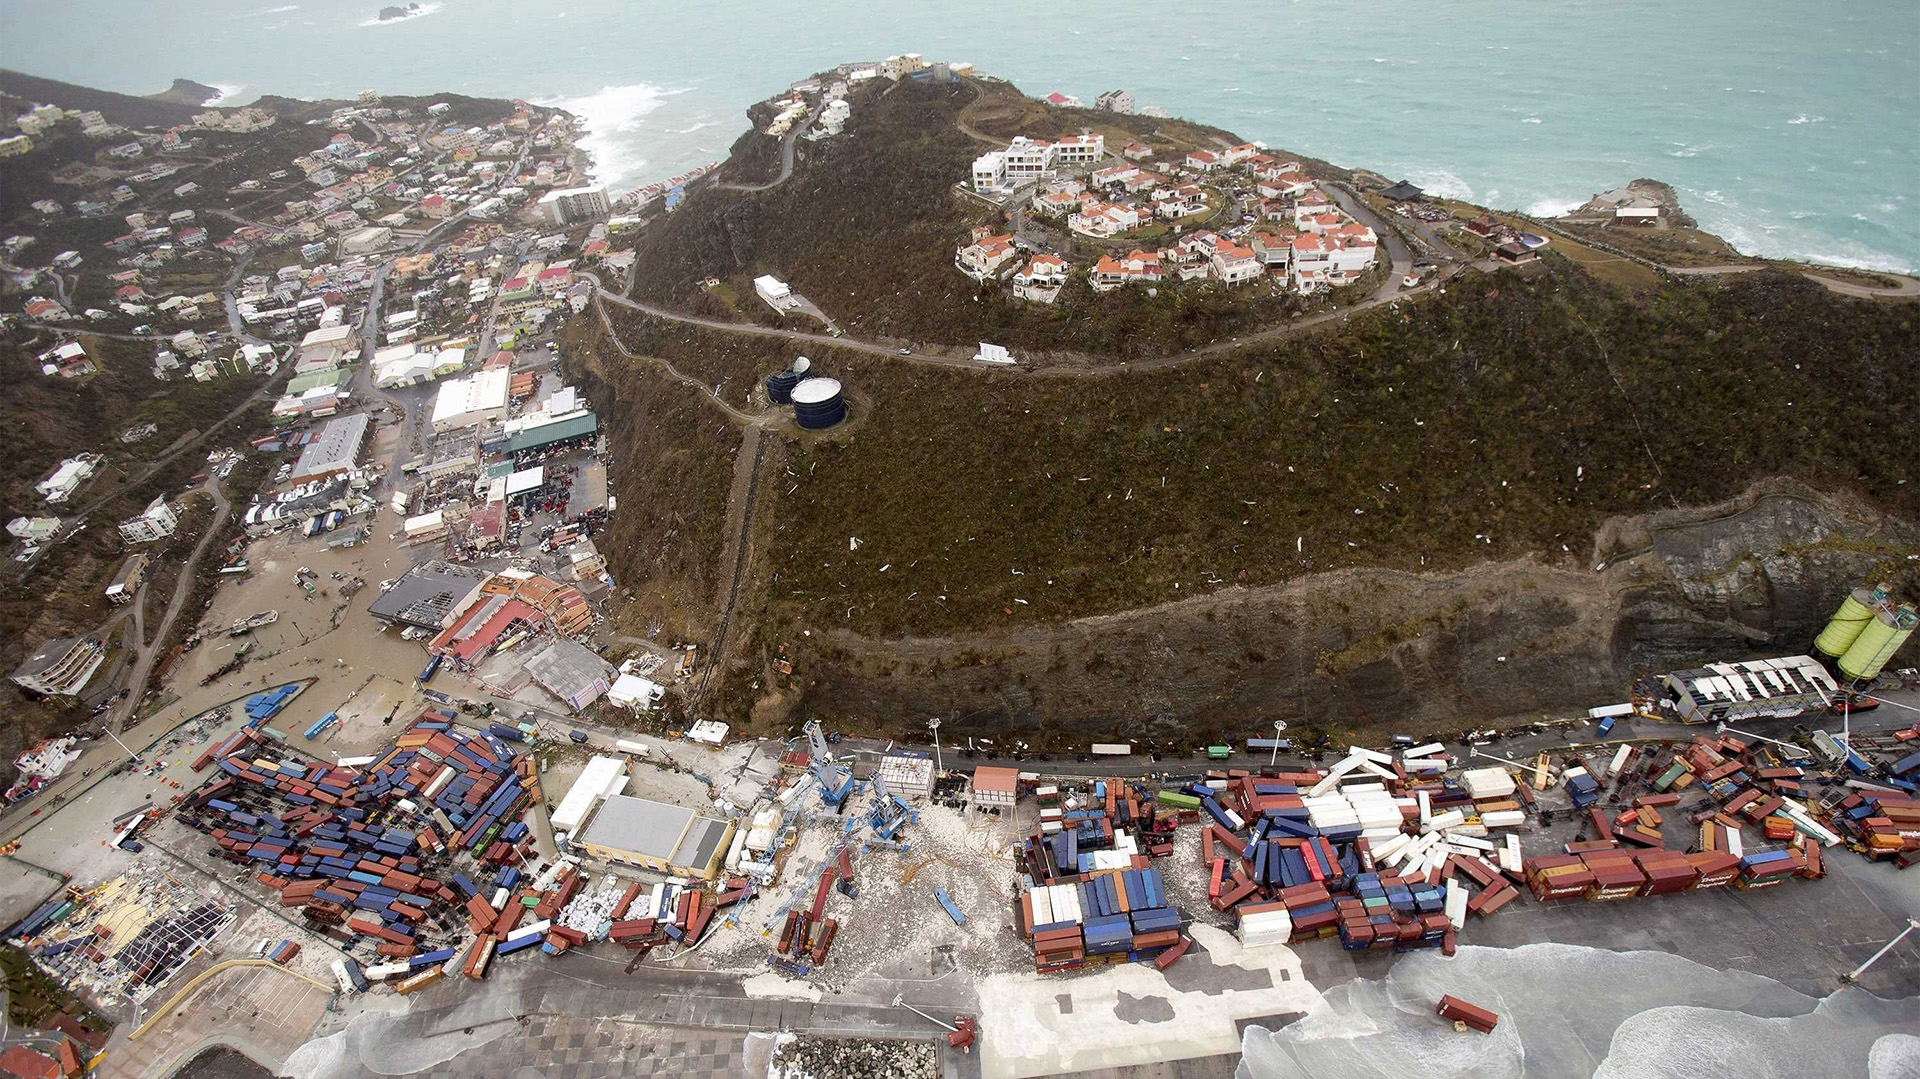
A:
[350, 725]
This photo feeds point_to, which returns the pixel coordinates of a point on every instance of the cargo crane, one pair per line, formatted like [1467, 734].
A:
[835, 782]
[887, 814]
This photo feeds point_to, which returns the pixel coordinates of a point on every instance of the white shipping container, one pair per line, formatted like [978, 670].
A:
[1456, 904]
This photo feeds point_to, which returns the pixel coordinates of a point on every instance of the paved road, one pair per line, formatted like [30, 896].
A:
[149, 650]
[591, 984]
[1901, 711]
[738, 415]
[786, 157]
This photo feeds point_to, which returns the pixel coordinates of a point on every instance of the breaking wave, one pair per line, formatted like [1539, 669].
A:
[613, 116]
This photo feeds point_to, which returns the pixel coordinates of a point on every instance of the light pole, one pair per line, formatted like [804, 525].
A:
[934, 726]
[1855, 973]
[1278, 726]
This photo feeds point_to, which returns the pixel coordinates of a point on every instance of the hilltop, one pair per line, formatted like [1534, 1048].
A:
[868, 223]
[123, 109]
[1396, 515]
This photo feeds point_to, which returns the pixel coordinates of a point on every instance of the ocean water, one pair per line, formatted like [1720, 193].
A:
[1574, 1011]
[1788, 127]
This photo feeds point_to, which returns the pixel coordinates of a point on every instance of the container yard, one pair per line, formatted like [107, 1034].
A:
[468, 849]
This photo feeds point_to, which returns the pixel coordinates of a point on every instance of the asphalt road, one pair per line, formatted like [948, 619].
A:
[786, 157]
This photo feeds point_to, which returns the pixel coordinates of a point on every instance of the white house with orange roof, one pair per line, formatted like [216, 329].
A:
[1114, 174]
[1235, 265]
[1143, 181]
[1285, 185]
[1349, 256]
[1041, 279]
[985, 257]
[1273, 250]
[1103, 219]
[1203, 160]
[1135, 267]
[1234, 155]
[1058, 203]
[1309, 221]
[1354, 233]
[1136, 150]
[1314, 201]
[1171, 203]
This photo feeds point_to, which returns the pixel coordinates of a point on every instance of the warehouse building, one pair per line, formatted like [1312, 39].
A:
[479, 398]
[995, 787]
[908, 773]
[335, 452]
[431, 595]
[572, 672]
[653, 835]
[1755, 689]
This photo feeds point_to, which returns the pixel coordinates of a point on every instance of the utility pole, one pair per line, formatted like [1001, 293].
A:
[1854, 974]
[934, 726]
[1278, 726]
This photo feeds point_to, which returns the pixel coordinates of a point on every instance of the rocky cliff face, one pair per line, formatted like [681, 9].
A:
[1387, 650]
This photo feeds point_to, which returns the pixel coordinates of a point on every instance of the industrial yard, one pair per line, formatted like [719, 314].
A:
[1080, 922]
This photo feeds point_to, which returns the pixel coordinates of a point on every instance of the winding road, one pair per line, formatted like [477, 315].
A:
[786, 157]
[148, 651]
[1907, 287]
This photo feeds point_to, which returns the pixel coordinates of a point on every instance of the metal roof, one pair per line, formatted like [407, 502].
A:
[815, 390]
[337, 448]
[559, 431]
[668, 833]
[425, 595]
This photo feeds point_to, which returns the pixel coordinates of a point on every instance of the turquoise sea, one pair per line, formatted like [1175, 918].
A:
[1789, 127]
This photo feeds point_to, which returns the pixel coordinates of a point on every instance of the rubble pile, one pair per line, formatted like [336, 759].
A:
[854, 1058]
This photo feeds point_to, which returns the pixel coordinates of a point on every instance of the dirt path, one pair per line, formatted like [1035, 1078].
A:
[1907, 286]
[1388, 292]
[740, 502]
[966, 129]
[740, 416]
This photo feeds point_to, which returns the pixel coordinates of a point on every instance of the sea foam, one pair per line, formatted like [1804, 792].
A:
[1564, 1007]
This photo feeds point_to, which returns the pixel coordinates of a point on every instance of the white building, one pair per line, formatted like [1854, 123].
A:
[33, 529]
[1115, 101]
[1041, 279]
[1027, 161]
[573, 204]
[603, 777]
[1235, 265]
[67, 478]
[985, 257]
[156, 522]
[479, 398]
[60, 667]
[774, 291]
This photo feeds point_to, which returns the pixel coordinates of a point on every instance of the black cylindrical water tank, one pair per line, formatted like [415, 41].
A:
[817, 403]
[780, 386]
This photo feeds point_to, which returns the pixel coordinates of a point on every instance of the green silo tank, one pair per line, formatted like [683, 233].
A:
[1878, 642]
[1855, 612]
